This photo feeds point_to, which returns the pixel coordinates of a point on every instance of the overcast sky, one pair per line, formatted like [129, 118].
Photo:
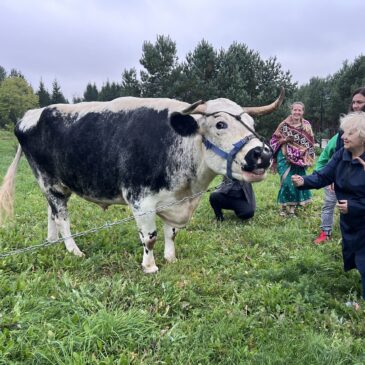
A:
[82, 41]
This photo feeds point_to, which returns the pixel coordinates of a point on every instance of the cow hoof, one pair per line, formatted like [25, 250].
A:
[52, 239]
[150, 269]
[77, 252]
[170, 259]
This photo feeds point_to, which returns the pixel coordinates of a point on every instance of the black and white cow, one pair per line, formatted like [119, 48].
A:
[146, 153]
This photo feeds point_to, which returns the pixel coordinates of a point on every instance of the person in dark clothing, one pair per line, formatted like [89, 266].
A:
[346, 170]
[327, 217]
[234, 195]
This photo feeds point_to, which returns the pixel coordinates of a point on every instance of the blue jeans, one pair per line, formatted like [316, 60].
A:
[328, 210]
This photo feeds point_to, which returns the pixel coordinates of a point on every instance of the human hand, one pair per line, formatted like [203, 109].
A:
[342, 206]
[289, 139]
[297, 180]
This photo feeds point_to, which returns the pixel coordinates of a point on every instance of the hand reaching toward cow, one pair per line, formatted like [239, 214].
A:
[297, 180]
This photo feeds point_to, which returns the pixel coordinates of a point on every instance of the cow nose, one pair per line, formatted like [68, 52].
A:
[258, 157]
[267, 155]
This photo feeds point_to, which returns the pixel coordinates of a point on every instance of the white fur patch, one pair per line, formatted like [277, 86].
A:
[30, 119]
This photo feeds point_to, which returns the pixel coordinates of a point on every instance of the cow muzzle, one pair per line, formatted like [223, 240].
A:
[258, 160]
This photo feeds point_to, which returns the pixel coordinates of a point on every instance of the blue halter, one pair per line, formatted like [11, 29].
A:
[229, 156]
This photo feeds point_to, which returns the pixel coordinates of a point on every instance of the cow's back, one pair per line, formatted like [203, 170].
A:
[97, 153]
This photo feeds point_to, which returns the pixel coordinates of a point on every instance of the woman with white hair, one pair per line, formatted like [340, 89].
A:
[346, 170]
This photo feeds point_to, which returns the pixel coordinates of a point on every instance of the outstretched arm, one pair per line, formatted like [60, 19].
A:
[297, 180]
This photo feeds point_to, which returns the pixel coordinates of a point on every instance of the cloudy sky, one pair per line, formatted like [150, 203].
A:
[82, 41]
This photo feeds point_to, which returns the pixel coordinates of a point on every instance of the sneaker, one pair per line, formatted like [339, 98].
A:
[322, 238]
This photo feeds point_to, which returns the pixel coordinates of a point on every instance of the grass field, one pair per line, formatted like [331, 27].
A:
[252, 293]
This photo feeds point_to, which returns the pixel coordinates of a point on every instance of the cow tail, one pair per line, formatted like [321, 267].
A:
[7, 189]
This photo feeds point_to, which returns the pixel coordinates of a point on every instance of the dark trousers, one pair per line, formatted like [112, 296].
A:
[356, 260]
[242, 208]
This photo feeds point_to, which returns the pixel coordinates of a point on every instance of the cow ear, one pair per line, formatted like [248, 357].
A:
[185, 125]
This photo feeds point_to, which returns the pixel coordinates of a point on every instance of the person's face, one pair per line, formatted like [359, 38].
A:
[358, 102]
[351, 139]
[297, 112]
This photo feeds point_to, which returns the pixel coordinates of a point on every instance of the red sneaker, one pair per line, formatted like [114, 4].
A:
[322, 238]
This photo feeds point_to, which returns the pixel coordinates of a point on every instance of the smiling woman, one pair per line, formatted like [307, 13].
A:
[293, 146]
[346, 170]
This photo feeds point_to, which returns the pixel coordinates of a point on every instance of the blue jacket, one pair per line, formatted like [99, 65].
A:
[349, 180]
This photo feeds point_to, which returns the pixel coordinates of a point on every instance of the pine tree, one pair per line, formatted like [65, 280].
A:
[57, 96]
[159, 60]
[130, 84]
[91, 93]
[43, 95]
[109, 91]
[2, 74]
[16, 73]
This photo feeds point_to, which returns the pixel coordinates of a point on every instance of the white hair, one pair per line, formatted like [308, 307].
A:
[354, 120]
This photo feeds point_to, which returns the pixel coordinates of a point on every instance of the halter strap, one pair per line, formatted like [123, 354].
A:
[229, 156]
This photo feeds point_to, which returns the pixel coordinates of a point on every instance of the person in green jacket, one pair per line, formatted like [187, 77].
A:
[330, 200]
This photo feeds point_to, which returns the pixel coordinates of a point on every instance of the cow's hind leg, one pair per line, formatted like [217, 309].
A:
[148, 235]
[170, 234]
[58, 204]
[53, 233]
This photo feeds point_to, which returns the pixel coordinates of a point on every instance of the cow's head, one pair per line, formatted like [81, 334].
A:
[232, 147]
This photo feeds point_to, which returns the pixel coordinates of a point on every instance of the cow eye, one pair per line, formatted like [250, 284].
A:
[221, 125]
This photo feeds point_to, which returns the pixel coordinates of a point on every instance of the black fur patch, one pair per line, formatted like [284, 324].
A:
[98, 154]
[185, 125]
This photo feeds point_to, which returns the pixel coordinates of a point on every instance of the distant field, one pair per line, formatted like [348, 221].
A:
[252, 293]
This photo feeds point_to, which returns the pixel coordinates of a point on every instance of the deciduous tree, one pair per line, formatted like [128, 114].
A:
[16, 97]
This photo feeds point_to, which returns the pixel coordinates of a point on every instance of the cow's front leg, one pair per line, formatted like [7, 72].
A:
[148, 235]
[170, 234]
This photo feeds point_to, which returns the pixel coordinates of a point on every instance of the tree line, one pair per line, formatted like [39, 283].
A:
[238, 73]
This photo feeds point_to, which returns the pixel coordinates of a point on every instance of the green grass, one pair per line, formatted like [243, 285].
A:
[252, 293]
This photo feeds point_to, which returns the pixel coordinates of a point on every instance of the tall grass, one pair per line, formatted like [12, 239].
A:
[241, 293]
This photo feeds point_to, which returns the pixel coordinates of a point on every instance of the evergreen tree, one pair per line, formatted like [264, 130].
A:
[199, 74]
[57, 95]
[316, 95]
[91, 93]
[109, 91]
[159, 60]
[77, 99]
[327, 98]
[43, 95]
[2, 74]
[130, 85]
[16, 73]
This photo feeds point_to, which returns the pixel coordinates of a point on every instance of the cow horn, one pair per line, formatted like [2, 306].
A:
[256, 111]
[195, 108]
